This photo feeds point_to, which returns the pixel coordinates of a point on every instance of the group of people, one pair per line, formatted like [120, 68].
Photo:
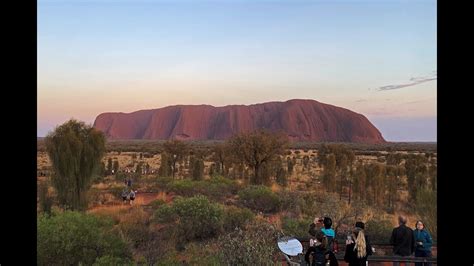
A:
[405, 242]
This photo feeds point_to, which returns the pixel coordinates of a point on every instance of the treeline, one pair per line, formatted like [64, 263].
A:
[376, 183]
[156, 146]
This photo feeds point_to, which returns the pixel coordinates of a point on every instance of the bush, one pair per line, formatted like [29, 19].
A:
[192, 218]
[259, 198]
[45, 200]
[111, 260]
[256, 245]
[235, 217]
[163, 181]
[426, 207]
[71, 238]
[281, 178]
[379, 231]
[116, 191]
[216, 188]
[120, 176]
[292, 201]
[157, 203]
[134, 227]
[294, 227]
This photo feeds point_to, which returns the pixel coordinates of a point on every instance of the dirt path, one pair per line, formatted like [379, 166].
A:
[141, 199]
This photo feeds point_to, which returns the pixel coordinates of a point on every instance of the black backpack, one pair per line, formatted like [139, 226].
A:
[319, 256]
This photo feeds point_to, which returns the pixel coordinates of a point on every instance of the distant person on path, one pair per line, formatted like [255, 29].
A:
[402, 239]
[423, 242]
[129, 182]
[125, 195]
[358, 247]
[132, 196]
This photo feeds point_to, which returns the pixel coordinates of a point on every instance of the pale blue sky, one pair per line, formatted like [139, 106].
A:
[104, 56]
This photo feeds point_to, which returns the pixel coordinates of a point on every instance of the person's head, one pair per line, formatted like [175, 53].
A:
[360, 225]
[327, 222]
[402, 219]
[420, 225]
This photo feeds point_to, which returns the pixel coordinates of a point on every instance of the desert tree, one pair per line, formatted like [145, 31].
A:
[433, 172]
[198, 169]
[329, 173]
[165, 165]
[221, 156]
[75, 150]
[257, 148]
[426, 207]
[360, 184]
[109, 166]
[306, 162]
[290, 165]
[392, 175]
[116, 167]
[177, 150]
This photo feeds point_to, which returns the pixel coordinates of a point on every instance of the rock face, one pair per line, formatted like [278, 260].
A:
[301, 120]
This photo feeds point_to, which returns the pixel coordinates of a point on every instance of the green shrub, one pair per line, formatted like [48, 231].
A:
[259, 198]
[71, 238]
[120, 176]
[157, 203]
[116, 191]
[111, 260]
[379, 231]
[281, 178]
[159, 183]
[45, 200]
[295, 227]
[235, 217]
[192, 218]
[292, 201]
[256, 245]
[215, 188]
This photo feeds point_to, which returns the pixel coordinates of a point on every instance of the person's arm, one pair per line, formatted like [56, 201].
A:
[312, 229]
[429, 241]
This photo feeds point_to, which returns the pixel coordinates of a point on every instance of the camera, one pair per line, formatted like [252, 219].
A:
[320, 220]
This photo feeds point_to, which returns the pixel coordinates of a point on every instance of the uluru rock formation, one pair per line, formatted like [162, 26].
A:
[301, 120]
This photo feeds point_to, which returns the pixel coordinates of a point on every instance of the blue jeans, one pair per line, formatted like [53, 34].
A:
[425, 254]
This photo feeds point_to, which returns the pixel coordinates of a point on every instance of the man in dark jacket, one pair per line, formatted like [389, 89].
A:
[402, 239]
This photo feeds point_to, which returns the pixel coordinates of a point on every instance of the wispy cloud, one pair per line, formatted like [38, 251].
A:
[361, 100]
[413, 81]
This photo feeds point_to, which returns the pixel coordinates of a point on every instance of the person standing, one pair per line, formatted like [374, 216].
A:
[402, 239]
[132, 196]
[358, 247]
[423, 243]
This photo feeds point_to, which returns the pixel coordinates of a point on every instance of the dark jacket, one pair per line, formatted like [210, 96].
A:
[351, 255]
[422, 236]
[402, 241]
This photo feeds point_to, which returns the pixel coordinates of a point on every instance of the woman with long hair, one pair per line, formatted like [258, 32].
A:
[357, 247]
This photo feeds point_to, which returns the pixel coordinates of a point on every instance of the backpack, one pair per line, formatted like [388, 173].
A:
[319, 256]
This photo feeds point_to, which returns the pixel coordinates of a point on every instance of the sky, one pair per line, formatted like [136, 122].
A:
[377, 58]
